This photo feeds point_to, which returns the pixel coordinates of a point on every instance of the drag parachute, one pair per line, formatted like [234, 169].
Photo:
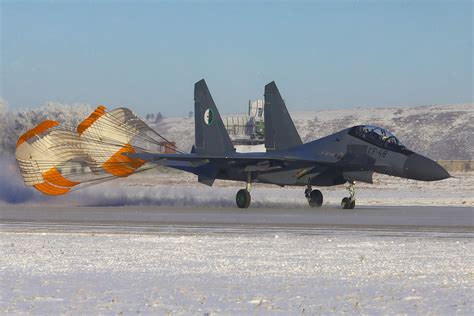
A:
[55, 159]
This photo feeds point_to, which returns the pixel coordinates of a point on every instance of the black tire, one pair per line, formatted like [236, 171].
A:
[315, 198]
[242, 198]
[352, 204]
[346, 202]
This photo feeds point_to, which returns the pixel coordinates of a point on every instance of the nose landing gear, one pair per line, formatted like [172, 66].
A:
[314, 197]
[349, 202]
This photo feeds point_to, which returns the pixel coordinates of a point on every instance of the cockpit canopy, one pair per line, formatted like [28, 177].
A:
[377, 136]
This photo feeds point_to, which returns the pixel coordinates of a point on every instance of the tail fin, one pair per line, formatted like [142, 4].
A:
[280, 131]
[211, 137]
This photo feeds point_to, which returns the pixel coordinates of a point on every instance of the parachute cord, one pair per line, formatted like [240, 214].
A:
[119, 130]
[152, 130]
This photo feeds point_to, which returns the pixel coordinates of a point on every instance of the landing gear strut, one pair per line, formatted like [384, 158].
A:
[243, 197]
[349, 202]
[314, 197]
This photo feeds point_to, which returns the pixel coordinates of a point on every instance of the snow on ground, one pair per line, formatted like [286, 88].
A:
[86, 273]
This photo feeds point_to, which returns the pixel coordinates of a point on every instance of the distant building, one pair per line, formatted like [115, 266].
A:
[256, 109]
[250, 129]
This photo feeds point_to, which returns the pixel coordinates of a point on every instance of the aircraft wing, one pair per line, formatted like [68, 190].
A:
[234, 159]
[208, 166]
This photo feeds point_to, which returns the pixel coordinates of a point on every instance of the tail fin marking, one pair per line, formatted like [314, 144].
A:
[211, 137]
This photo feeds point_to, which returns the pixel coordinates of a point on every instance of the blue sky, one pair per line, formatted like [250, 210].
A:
[147, 55]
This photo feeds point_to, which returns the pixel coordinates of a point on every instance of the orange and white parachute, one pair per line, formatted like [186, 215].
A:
[55, 159]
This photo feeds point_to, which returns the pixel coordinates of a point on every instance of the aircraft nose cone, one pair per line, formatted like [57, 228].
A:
[418, 167]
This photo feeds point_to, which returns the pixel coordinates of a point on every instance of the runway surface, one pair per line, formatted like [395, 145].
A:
[416, 219]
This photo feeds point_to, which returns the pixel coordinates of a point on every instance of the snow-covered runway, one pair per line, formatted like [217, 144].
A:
[89, 260]
[88, 273]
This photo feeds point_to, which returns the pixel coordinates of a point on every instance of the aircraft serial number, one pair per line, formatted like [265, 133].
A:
[376, 152]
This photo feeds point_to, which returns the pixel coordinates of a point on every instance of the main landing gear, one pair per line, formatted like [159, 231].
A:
[314, 197]
[243, 198]
[349, 202]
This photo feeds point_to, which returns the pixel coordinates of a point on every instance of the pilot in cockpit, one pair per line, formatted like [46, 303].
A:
[378, 136]
[391, 142]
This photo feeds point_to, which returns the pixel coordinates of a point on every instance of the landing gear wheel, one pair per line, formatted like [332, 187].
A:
[352, 205]
[348, 203]
[315, 198]
[243, 198]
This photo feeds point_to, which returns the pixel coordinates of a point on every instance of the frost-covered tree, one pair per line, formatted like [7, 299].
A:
[158, 117]
[3, 122]
[3, 107]
[13, 124]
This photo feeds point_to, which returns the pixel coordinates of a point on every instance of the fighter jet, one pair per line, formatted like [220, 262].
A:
[350, 155]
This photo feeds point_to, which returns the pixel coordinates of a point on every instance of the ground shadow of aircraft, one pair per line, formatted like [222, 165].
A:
[347, 156]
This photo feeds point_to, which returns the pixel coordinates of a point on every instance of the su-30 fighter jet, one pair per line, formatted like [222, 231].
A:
[350, 155]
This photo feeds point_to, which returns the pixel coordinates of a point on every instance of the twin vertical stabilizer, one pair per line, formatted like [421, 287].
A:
[211, 137]
[280, 131]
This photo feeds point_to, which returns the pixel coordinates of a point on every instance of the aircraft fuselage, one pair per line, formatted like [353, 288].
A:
[341, 157]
